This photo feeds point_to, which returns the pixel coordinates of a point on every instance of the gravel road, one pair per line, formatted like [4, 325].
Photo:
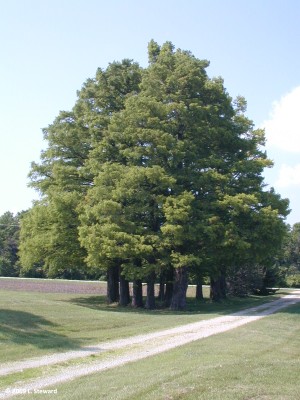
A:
[133, 348]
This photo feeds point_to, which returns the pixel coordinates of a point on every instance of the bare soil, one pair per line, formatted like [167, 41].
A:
[53, 286]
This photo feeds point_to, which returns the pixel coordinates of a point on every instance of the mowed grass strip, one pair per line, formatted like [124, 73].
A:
[34, 323]
[258, 361]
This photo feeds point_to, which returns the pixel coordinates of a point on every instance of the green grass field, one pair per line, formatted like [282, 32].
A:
[258, 361]
[34, 323]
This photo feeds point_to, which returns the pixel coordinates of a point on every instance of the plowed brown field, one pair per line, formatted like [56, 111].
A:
[53, 286]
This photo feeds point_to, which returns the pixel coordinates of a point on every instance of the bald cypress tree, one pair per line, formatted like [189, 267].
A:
[210, 162]
[49, 231]
[158, 172]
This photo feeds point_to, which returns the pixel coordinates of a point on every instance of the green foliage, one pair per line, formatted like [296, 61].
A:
[292, 248]
[244, 280]
[9, 242]
[49, 242]
[288, 259]
[49, 235]
[293, 279]
[153, 170]
[121, 216]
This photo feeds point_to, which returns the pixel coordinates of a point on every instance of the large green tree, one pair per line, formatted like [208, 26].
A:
[153, 173]
[49, 234]
[289, 259]
[121, 218]
[292, 247]
[49, 243]
[188, 125]
[248, 232]
[9, 244]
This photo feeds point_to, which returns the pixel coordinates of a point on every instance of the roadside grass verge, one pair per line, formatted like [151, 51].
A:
[260, 360]
[34, 324]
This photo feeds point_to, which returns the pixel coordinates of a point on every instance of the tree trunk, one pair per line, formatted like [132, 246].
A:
[150, 300]
[113, 284]
[161, 293]
[218, 287]
[223, 285]
[168, 287]
[124, 291]
[137, 294]
[180, 285]
[199, 292]
[168, 294]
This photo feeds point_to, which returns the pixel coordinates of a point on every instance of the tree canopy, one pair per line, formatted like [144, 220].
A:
[155, 173]
[9, 241]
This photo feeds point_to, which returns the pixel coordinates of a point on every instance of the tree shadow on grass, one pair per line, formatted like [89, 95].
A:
[291, 309]
[99, 303]
[23, 328]
[194, 306]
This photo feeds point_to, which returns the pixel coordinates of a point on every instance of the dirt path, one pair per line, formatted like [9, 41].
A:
[134, 348]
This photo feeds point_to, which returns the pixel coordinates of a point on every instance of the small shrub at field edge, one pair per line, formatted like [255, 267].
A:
[293, 281]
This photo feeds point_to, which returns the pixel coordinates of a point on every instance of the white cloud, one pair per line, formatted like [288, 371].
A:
[283, 126]
[288, 176]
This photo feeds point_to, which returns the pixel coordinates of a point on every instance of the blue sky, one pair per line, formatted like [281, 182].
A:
[50, 47]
